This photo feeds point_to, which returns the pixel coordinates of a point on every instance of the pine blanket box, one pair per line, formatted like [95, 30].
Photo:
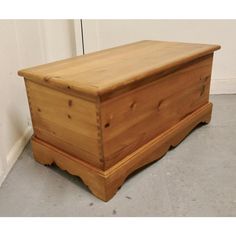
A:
[103, 115]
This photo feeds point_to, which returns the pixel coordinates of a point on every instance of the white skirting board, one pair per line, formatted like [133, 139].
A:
[223, 86]
[15, 152]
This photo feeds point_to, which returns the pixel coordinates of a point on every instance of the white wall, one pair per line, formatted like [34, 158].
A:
[101, 34]
[25, 43]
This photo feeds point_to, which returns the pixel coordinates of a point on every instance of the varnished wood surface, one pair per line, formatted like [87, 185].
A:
[103, 115]
[134, 118]
[67, 122]
[108, 72]
[104, 184]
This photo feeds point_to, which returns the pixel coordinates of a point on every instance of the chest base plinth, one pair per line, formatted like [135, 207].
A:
[104, 184]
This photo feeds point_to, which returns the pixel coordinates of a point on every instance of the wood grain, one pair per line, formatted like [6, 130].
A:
[103, 115]
[134, 118]
[104, 184]
[112, 71]
[67, 122]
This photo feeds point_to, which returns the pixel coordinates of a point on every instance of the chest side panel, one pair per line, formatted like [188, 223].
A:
[134, 118]
[67, 122]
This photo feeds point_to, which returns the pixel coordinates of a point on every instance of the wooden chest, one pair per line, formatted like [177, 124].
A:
[103, 115]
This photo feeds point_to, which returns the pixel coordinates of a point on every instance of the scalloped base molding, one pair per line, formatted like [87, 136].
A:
[104, 184]
[15, 152]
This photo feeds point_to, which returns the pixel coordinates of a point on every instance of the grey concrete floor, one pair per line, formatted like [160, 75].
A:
[197, 178]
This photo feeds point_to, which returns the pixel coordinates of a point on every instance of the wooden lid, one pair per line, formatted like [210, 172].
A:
[109, 72]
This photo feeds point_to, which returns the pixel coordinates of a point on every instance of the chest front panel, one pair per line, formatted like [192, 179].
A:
[134, 118]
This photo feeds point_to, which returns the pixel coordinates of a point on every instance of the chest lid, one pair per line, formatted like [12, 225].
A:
[104, 74]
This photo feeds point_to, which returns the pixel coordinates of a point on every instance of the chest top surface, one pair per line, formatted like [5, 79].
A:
[97, 74]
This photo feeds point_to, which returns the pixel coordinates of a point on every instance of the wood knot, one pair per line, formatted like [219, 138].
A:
[69, 116]
[159, 104]
[205, 78]
[202, 90]
[70, 103]
[39, 110]
[46, 78]
[107, 125]
[133, 105]
[68, 87]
